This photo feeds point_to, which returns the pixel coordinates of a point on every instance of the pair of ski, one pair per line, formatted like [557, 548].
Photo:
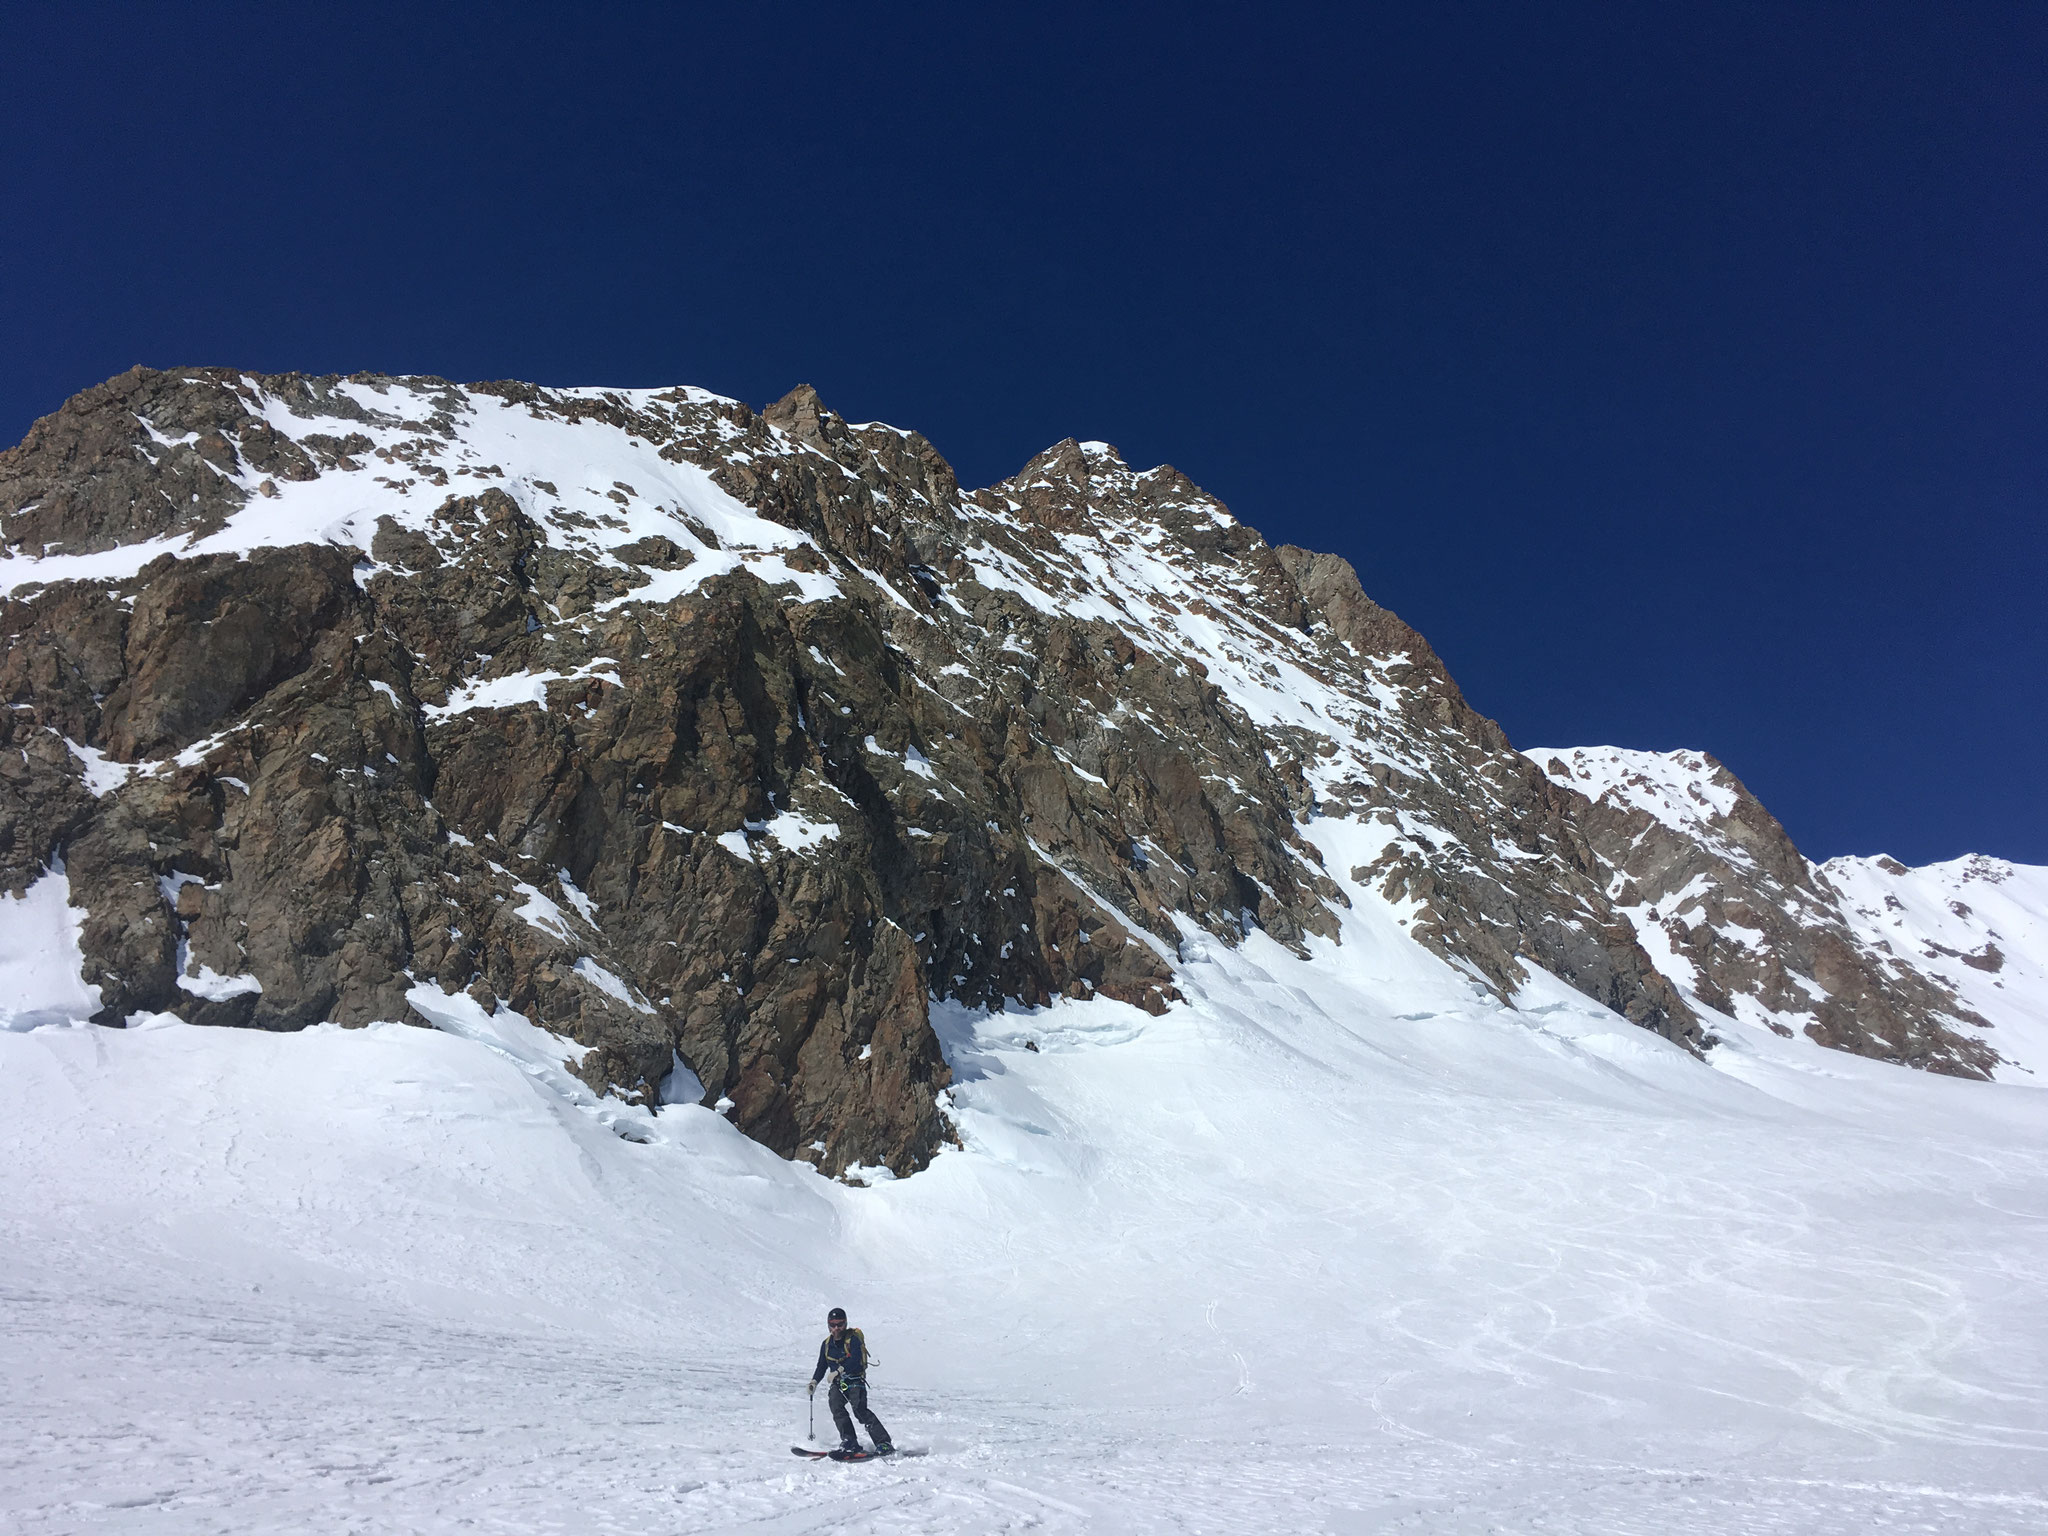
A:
[814, 1455]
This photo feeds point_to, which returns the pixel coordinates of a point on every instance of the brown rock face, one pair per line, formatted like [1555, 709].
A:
[208, 637]
[711, 738]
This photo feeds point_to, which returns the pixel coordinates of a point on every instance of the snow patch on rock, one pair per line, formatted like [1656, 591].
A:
[1679, 789]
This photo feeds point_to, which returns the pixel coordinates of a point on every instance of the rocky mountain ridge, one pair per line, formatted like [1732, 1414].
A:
[1746, 926]
[719, 742]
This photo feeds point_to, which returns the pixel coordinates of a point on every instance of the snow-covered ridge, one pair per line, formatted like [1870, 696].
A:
[594, 486]
[1978, 924]
[1731, 916]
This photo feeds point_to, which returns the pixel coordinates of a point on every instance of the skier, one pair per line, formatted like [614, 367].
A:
[845, 1354]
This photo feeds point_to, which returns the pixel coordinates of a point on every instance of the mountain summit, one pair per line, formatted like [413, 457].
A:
[722, 745]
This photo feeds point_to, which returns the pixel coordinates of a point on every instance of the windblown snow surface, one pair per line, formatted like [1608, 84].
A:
[1337, 1245]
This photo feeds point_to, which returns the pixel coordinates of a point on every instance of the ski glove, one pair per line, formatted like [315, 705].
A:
[814, 1389]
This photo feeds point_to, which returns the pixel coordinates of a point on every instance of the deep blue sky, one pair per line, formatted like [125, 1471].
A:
[1681, 372]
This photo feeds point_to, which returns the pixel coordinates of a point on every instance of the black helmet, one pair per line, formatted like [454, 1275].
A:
[836, 1315]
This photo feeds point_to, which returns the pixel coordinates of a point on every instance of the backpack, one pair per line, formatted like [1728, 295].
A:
[865, 1353]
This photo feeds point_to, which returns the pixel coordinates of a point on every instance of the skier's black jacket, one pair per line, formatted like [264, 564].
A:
[846, 1355]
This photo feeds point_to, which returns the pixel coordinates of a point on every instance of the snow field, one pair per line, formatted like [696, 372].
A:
[1338, 1245]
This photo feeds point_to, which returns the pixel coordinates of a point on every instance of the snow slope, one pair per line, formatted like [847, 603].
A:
[1340, 1244]
[1978, 924]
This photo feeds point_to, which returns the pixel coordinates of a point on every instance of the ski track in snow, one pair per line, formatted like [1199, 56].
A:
[387, 1425]
[285, 1420]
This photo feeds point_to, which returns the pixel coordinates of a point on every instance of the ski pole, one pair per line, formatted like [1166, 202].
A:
[811, 1433]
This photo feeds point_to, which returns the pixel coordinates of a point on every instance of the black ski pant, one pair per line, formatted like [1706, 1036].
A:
[856, 1393]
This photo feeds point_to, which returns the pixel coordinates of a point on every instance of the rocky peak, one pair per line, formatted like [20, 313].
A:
[1054, 490]
[803, 416]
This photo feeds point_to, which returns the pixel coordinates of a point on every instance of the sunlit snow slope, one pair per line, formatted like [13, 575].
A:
[1338, 1244]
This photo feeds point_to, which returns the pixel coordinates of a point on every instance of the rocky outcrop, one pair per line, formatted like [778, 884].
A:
[716, 739]
[1492, 853]
[1712, 884]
